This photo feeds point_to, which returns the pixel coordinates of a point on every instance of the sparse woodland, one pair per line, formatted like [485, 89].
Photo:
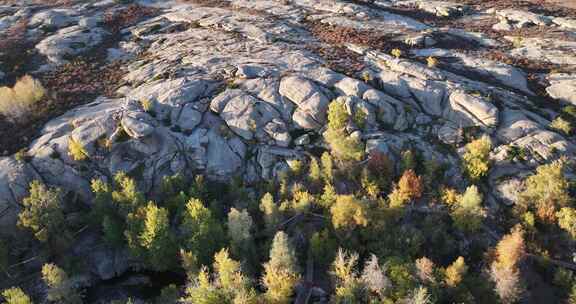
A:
[276, 152]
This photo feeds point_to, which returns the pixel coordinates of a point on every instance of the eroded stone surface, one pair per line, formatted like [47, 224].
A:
[241, 90]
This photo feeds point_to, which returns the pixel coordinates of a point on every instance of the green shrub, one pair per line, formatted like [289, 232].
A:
[562, 125]
[76, 150]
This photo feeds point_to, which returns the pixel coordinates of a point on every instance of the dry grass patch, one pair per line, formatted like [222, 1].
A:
[16, 103]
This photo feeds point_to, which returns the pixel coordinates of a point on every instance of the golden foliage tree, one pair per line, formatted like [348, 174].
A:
[348, 213]
[477, 157]
[456, 272]
[504, 270]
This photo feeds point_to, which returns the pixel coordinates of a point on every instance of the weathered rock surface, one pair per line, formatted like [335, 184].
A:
[70, 41]
[562, 87]
[243, 89]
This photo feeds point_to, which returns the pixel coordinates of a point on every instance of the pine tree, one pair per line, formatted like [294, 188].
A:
[229, 274]
[240, 226]
[349, 286]
[281, 271]
[168, 295]
[407, 161]
[327, 167]
[420, 295]
[302, 201]
[374, 278]
[149, 236]
[314, 172]
[469, 213]
[203, 234]
[348, 213]
[329, 196]
[409, 188]
[425, 269]
[42, 212]
[203, 291]
[271, 213]
[15, 295]
[567, 220]
[477, 158]
[455, 272]
[547, 190]
[60, 287]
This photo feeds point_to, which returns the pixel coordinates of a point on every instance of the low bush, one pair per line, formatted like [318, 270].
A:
[17, 102]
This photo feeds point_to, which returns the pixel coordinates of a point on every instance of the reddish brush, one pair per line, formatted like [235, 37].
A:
[14, 46]
[117, 20]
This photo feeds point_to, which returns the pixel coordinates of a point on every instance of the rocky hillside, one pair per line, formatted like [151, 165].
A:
[247, 92]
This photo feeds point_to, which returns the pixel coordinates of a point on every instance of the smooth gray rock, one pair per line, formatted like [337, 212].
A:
[54, 18]
[562, 87]
[189, 118]
[311, 103]
[522, 19]
[137, 125]
[70, 41]
[224, 156]
[466, 110]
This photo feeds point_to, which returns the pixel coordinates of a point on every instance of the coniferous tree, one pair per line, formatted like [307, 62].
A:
[349, 285]
[15, 295]
[240, 227]
[327, 167]
[42, 212]
[455, 272]
[149, 236]
[348, 213]
[203, 234]
[425, 270]
[504, 270]
[567, 220]
[374, 277]
[477, 158]
[60, 287]
[328, 197]
[469, 213]
[409, 188]
[281, 272]
[314, 172]
[546, 191]
[271, 213]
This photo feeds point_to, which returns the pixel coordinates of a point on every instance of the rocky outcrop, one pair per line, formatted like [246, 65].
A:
[70, 41]
[243, 89]
[562, 87]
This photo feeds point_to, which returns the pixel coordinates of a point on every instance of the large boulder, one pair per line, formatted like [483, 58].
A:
[467, 110]
[311, 103]
[70, 41]
[562, 87]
